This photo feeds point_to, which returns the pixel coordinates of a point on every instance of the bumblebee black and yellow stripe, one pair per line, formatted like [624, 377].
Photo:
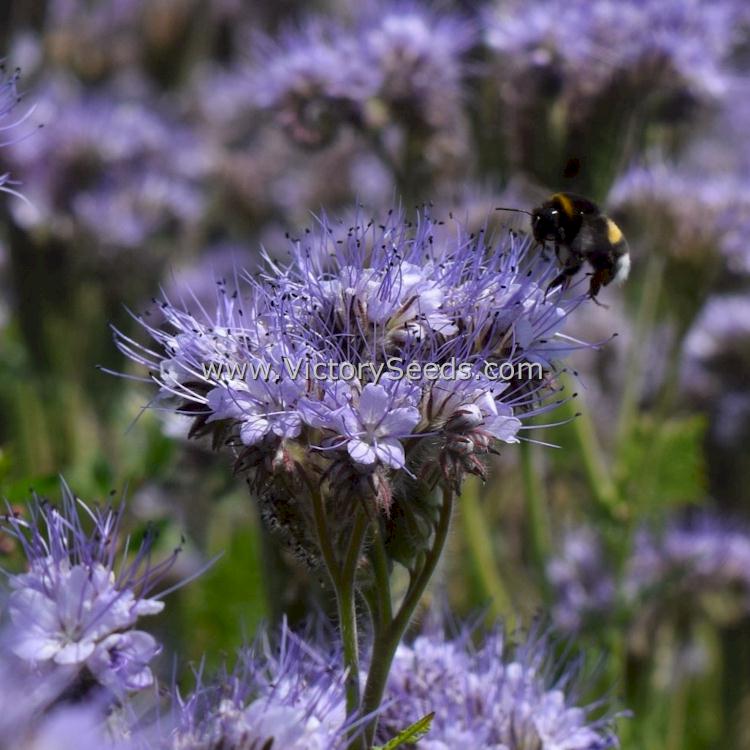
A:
[614, 233]
[565, 203]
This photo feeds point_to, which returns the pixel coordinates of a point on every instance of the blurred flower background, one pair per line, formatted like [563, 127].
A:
[180, 137]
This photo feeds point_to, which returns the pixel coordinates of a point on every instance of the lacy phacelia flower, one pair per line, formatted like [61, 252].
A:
[698, 565]
[716, 352]
[77, 605]
[315, 81]
[688, 42]
[494, 697]
[696, 215]
[33, 716]
[111, 171]
[398, 66]
[9, 119]
[582, 583]
[287, 697]
[375, 356]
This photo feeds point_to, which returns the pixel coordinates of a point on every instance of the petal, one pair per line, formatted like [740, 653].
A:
[361, 452]
[148, 607]
[391, 453]
[400, 421]
[31, 608]
[254, 430]
[121, 660]
[75, 653]
[373, 404]
[38, 647]
[503, 428]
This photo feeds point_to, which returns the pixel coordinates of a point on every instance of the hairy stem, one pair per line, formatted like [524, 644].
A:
[386, 642]
[342, 577]
[345, 600]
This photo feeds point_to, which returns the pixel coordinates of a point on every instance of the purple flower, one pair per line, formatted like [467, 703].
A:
[418, 56]
[701, 564]
[283, 696]
[356, 298]
[111, 169]
[676, 197]
[581, 580]
[371, 426]
[315, 80]
[401, 66]
[379, 352]
[10, 121]
[689, 41]
[77, 606]
[715, 351]
[493, 697]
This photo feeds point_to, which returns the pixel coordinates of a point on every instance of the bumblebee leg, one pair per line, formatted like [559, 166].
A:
[563, 278]
[600, 277]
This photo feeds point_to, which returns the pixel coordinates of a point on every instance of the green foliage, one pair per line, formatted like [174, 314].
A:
[663, 463]
[410, 735]
[224, 606]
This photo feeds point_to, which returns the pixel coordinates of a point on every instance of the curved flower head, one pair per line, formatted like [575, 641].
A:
[628, 66]
[401, 65]
[496, 696]
[671, 199]
[379, 353]
[315, 80]
[10, 121]
[715, 352]
[77, 605]
[582, 582]
[282, 695]
[689, 41]
[113, 170]
[693, 566]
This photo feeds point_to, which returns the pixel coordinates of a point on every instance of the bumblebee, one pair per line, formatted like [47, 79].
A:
[581, 233]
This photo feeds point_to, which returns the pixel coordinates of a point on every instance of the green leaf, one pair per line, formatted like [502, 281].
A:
[663, 463]
[410, 735]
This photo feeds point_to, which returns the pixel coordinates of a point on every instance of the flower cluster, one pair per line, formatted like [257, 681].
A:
[493, 697]
[579, 575]
[695, 567]
[76, 606]
[698, 213]
[396, 67]
[715, 352]
[686, 41]
[702, 563]
[286, 696]
[111, 171]
[407, 306]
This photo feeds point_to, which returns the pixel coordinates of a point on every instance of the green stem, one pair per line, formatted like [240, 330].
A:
[635, 373]
[324, 538]
[598, 478]
[345, 600]
[386, 642]
[476, 533]
[382, 577]
[539, 528]
[678, 705]
[342, 579]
